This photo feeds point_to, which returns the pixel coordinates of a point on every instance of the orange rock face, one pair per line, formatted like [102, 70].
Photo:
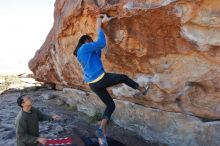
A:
[175, 44]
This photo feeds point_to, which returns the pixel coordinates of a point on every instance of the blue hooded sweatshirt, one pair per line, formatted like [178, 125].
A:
[89, 56]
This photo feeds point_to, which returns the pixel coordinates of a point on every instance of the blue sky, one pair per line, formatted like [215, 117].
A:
[24, 25]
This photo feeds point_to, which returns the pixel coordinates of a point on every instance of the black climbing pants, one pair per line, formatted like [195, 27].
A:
[108, 80]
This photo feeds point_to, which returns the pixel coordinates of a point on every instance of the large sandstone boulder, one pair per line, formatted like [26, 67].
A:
[175, 44]
[170, 128]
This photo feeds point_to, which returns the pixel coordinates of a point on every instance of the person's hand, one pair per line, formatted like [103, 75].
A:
[105, 18]
[42, 141]
[56, 117]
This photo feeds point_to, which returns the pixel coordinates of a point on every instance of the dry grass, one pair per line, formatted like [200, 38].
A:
[7, 80]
